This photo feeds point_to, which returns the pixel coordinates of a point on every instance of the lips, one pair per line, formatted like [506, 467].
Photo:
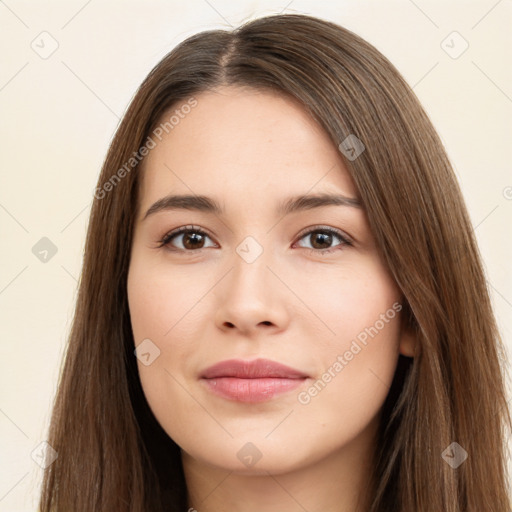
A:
[258, 368]
[251, 381]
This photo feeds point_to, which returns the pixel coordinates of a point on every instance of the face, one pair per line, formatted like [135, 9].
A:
[252, 281]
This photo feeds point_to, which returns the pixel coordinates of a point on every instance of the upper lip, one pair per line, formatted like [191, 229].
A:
[257, 368]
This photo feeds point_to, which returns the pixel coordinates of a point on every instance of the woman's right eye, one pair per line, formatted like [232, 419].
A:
[191, 239]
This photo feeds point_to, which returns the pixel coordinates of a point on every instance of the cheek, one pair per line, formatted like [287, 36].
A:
[160, 303]
[166, 310]
[349, 301]
[357, 371]
[358, 353]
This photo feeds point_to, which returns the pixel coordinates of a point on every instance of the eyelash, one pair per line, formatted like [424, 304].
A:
[164, 242]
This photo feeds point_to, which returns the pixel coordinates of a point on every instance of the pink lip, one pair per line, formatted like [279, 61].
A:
[251, 381]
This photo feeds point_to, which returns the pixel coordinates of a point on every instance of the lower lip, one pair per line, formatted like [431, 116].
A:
[251, 390]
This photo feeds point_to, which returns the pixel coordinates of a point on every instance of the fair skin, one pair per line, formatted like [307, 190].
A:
[200, 302]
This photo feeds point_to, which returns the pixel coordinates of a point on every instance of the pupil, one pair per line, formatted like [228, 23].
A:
[322, 238]
[195, 239]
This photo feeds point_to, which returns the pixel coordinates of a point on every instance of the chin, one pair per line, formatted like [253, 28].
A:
[247, 458]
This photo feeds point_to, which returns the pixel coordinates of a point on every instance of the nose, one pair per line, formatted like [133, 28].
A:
[252, 299]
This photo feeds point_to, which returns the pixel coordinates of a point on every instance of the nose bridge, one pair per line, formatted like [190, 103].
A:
[251, 261]
[248, 296]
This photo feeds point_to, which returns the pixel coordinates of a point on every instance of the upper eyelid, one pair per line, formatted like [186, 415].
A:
[184, 229]
[321, 227]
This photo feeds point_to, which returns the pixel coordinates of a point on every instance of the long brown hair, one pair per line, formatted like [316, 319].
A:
[112, 453]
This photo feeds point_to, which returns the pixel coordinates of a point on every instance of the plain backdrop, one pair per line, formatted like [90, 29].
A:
[68, 72]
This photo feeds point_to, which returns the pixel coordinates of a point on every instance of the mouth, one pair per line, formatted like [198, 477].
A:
[251, 381]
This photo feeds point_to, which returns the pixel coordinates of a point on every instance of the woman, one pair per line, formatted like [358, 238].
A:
[282, 305]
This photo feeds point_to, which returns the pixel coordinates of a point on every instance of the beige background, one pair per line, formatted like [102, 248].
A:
[59, 113]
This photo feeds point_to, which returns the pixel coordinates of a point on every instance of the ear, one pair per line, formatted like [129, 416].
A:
[409, 345]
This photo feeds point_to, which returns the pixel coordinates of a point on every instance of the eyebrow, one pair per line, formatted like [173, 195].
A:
[210, 205]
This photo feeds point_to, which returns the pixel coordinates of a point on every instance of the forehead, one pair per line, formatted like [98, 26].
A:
[246, 144]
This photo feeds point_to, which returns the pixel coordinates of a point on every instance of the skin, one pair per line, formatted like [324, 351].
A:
[250, 150]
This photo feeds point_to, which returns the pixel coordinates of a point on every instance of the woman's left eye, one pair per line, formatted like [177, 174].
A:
[324, 236]
[193, 239]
